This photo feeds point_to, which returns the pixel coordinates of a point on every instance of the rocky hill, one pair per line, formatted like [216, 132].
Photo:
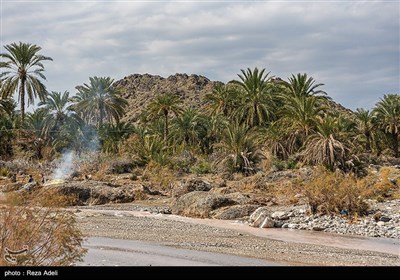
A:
[140, 89]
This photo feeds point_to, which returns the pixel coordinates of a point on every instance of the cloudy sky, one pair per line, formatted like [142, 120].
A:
[353, 47]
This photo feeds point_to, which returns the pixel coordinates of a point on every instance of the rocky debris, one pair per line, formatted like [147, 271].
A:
[190, 186]
[95, 192]
[200, 204]
[234, 212]
[384, 220]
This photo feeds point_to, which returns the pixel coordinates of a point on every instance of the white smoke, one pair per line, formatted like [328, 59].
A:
[65, 166]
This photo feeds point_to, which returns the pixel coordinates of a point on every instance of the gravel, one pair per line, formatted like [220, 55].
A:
[190, 235]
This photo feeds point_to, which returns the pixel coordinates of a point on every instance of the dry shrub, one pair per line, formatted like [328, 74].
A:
[34, 232]
[334, 192]
[159, 176]
[383, 184]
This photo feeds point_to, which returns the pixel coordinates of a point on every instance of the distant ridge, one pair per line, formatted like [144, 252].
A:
[140, 89]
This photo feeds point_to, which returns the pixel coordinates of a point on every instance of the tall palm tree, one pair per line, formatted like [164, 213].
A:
[24, 71]
[57, 103]
[99, 101]
[387, 112]
[59, 114]
[366, 123]
[255, 92]
[302, 85]
[162, 105]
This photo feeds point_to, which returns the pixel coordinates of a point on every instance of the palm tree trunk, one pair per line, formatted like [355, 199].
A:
[22, 97]
[395, 137]
[368, 143]
[101, 109]
[165, 125]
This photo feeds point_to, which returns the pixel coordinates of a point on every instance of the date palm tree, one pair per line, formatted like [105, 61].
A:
[329, 144]
[222, 100]
[189, 128]
[241, 148]
[99, 101]
[256, 99]
[387, 112]
[302, 85]
[112, 135]
[23, 72]
[162, 105]
[366, 124]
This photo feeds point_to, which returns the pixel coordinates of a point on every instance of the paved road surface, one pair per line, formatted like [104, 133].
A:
[117, 252]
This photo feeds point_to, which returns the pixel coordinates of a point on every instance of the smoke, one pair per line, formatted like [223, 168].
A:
[84, 147]
[65, 166]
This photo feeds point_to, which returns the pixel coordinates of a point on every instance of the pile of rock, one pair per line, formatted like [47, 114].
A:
[384, 220]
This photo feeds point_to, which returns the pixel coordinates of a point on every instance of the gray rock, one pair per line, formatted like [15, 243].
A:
[190, 186]
[318, 228]
[280, 215]
[200, 204]
[94, 192]
[234, 212]
[268, 222]
[385, 219]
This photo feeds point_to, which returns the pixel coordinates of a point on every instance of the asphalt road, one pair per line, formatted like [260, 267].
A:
[117, 252]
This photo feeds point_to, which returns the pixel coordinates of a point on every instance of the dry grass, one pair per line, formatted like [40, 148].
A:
[35, 232]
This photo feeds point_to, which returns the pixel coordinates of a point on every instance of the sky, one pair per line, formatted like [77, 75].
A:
[352, 47]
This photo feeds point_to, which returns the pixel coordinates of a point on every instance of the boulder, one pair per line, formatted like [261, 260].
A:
[200, 204]
[234, 212]
[95, 192]
[261, 218]
[190, 186]
[280, 215]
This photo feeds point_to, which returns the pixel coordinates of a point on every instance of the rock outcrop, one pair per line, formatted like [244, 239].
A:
[140, 89]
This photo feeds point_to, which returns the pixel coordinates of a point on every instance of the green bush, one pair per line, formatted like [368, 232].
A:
[203, 167]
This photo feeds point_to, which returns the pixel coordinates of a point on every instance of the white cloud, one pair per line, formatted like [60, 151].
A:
[352, 47]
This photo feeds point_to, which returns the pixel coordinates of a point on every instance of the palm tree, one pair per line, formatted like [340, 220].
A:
[222, 100]
[35, 131]
[241, 148]
[387, 112]
[189, 128]
[57, 104]
[366, 122]
[255, 92]
[328, 145]
[112, 135]
[7, 121]
[24, 73]
[98, 101]
[7, 106]
[302, 85]
[163, 104]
